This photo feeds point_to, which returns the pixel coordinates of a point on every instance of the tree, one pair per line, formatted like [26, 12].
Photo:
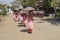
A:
[57, 10]
[31, 3]
[26, 3]
[46, 5]
[3, 8]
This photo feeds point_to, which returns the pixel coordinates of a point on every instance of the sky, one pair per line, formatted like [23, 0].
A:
[6, 1]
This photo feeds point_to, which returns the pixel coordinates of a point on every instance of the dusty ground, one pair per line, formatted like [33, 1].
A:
[44, 29]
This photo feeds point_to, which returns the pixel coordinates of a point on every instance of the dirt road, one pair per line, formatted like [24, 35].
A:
[44, 29]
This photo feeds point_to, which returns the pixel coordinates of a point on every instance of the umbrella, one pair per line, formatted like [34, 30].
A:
[23, 11]
[34, 12]
[29, 8]
[38, 12]
[16, 9]
[21, 7]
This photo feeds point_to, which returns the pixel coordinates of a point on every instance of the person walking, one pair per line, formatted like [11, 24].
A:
[20, 18]
[30, 22]
[24, 19]
[15, 15]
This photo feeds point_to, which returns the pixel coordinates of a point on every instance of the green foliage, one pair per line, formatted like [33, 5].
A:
[4, 12]
[12, 7]
[3, 9]
[47, 3]
[57, 14]
[26, 3]
[30, 3]
[2, 6]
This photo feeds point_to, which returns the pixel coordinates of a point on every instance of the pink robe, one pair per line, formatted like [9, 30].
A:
[15, 17]
[30, 23]
[24, 20]
[20, 18]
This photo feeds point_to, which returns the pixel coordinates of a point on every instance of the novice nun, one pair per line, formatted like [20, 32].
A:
[30, 21]
[15, 14]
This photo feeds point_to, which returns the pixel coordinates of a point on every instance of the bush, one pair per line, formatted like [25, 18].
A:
[4, 12]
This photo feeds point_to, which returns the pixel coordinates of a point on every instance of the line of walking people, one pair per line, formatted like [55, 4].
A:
[23, 17]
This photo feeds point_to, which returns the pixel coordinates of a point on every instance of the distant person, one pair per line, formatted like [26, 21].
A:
[15, 15]
[20, 17]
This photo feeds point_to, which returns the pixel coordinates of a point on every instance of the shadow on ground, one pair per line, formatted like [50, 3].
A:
[39, 22]
[52, 21]
[20, 25]
[24, 30]
[49, 20]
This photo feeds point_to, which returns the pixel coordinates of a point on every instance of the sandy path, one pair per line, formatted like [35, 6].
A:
[43, 30]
